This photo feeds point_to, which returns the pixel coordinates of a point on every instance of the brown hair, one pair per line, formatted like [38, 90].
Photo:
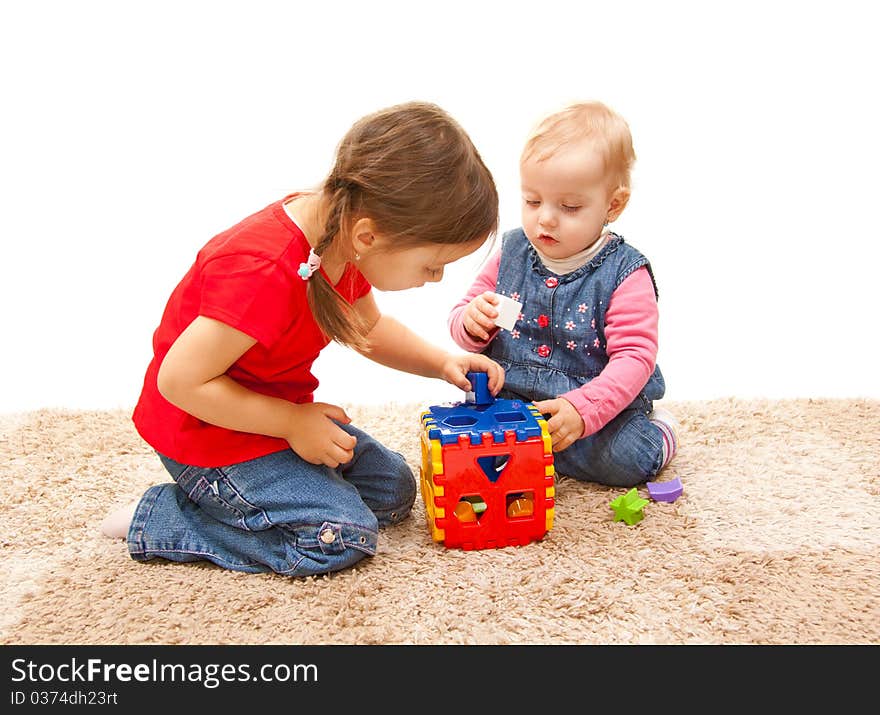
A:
[584, 120]
[415, 172]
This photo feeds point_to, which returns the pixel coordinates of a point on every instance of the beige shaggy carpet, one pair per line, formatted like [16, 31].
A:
[775, 540]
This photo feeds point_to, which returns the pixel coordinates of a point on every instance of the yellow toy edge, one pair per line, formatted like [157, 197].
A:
[545, 433]
[549, 470]
[430, 466]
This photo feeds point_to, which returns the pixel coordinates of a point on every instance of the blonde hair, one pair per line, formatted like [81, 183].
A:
[586, 120]
[415, 173]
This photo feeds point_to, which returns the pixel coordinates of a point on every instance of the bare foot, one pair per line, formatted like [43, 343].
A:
[116, 523]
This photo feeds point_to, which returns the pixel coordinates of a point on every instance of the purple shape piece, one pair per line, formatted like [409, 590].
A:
[665, 491]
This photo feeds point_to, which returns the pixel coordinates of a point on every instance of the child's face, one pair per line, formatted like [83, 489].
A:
[566, 199]
[390, 269]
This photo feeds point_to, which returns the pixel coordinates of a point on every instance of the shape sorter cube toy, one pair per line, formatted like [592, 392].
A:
[487, 476]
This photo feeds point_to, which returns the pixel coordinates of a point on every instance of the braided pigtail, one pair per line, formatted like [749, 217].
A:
[333, 314]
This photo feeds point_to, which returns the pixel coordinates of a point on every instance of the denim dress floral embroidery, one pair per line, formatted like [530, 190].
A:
[558, 342]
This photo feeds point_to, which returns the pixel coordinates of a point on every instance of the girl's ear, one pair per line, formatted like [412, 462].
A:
[363, 236]
[617, 204]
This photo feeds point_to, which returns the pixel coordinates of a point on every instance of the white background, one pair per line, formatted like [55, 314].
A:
[132, 132]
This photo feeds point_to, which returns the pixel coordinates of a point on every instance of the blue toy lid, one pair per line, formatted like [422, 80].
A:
[448, 422]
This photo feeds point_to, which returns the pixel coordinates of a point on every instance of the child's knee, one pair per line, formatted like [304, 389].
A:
[625, 454]
[633, 456]
[400, 496]
[406, 486]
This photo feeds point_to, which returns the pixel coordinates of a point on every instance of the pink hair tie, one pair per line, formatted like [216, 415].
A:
[306, 269]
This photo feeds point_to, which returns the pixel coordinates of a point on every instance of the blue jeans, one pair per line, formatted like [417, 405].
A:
[625, 452]
[275, 513]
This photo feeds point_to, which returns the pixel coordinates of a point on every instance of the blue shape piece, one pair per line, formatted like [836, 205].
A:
[479, 394]
[665, 491]
[448, 422]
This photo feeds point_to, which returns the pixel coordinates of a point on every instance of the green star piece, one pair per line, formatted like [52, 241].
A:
[628, 507]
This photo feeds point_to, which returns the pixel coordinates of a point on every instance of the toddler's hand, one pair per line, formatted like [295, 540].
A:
[479, 315]
[315, 436]
[456, 367]
[565, 424]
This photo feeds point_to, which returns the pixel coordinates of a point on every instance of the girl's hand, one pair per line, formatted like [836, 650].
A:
[315, 436]
[479, 315]
[456, 367]
[565, 424]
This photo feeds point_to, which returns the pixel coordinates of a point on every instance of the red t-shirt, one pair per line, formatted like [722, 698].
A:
[245, 277]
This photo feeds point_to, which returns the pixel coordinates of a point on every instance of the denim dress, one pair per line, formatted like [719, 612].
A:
[558, 344]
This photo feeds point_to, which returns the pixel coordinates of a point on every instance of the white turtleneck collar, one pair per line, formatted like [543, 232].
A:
[562, 266]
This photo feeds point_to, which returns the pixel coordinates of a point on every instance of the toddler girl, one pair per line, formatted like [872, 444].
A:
[584, 347]
[266, 478]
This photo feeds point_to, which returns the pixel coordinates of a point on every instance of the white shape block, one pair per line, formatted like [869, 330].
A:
[508, 312]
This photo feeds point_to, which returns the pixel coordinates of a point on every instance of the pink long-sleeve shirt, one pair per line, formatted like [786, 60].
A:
[631, 343]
